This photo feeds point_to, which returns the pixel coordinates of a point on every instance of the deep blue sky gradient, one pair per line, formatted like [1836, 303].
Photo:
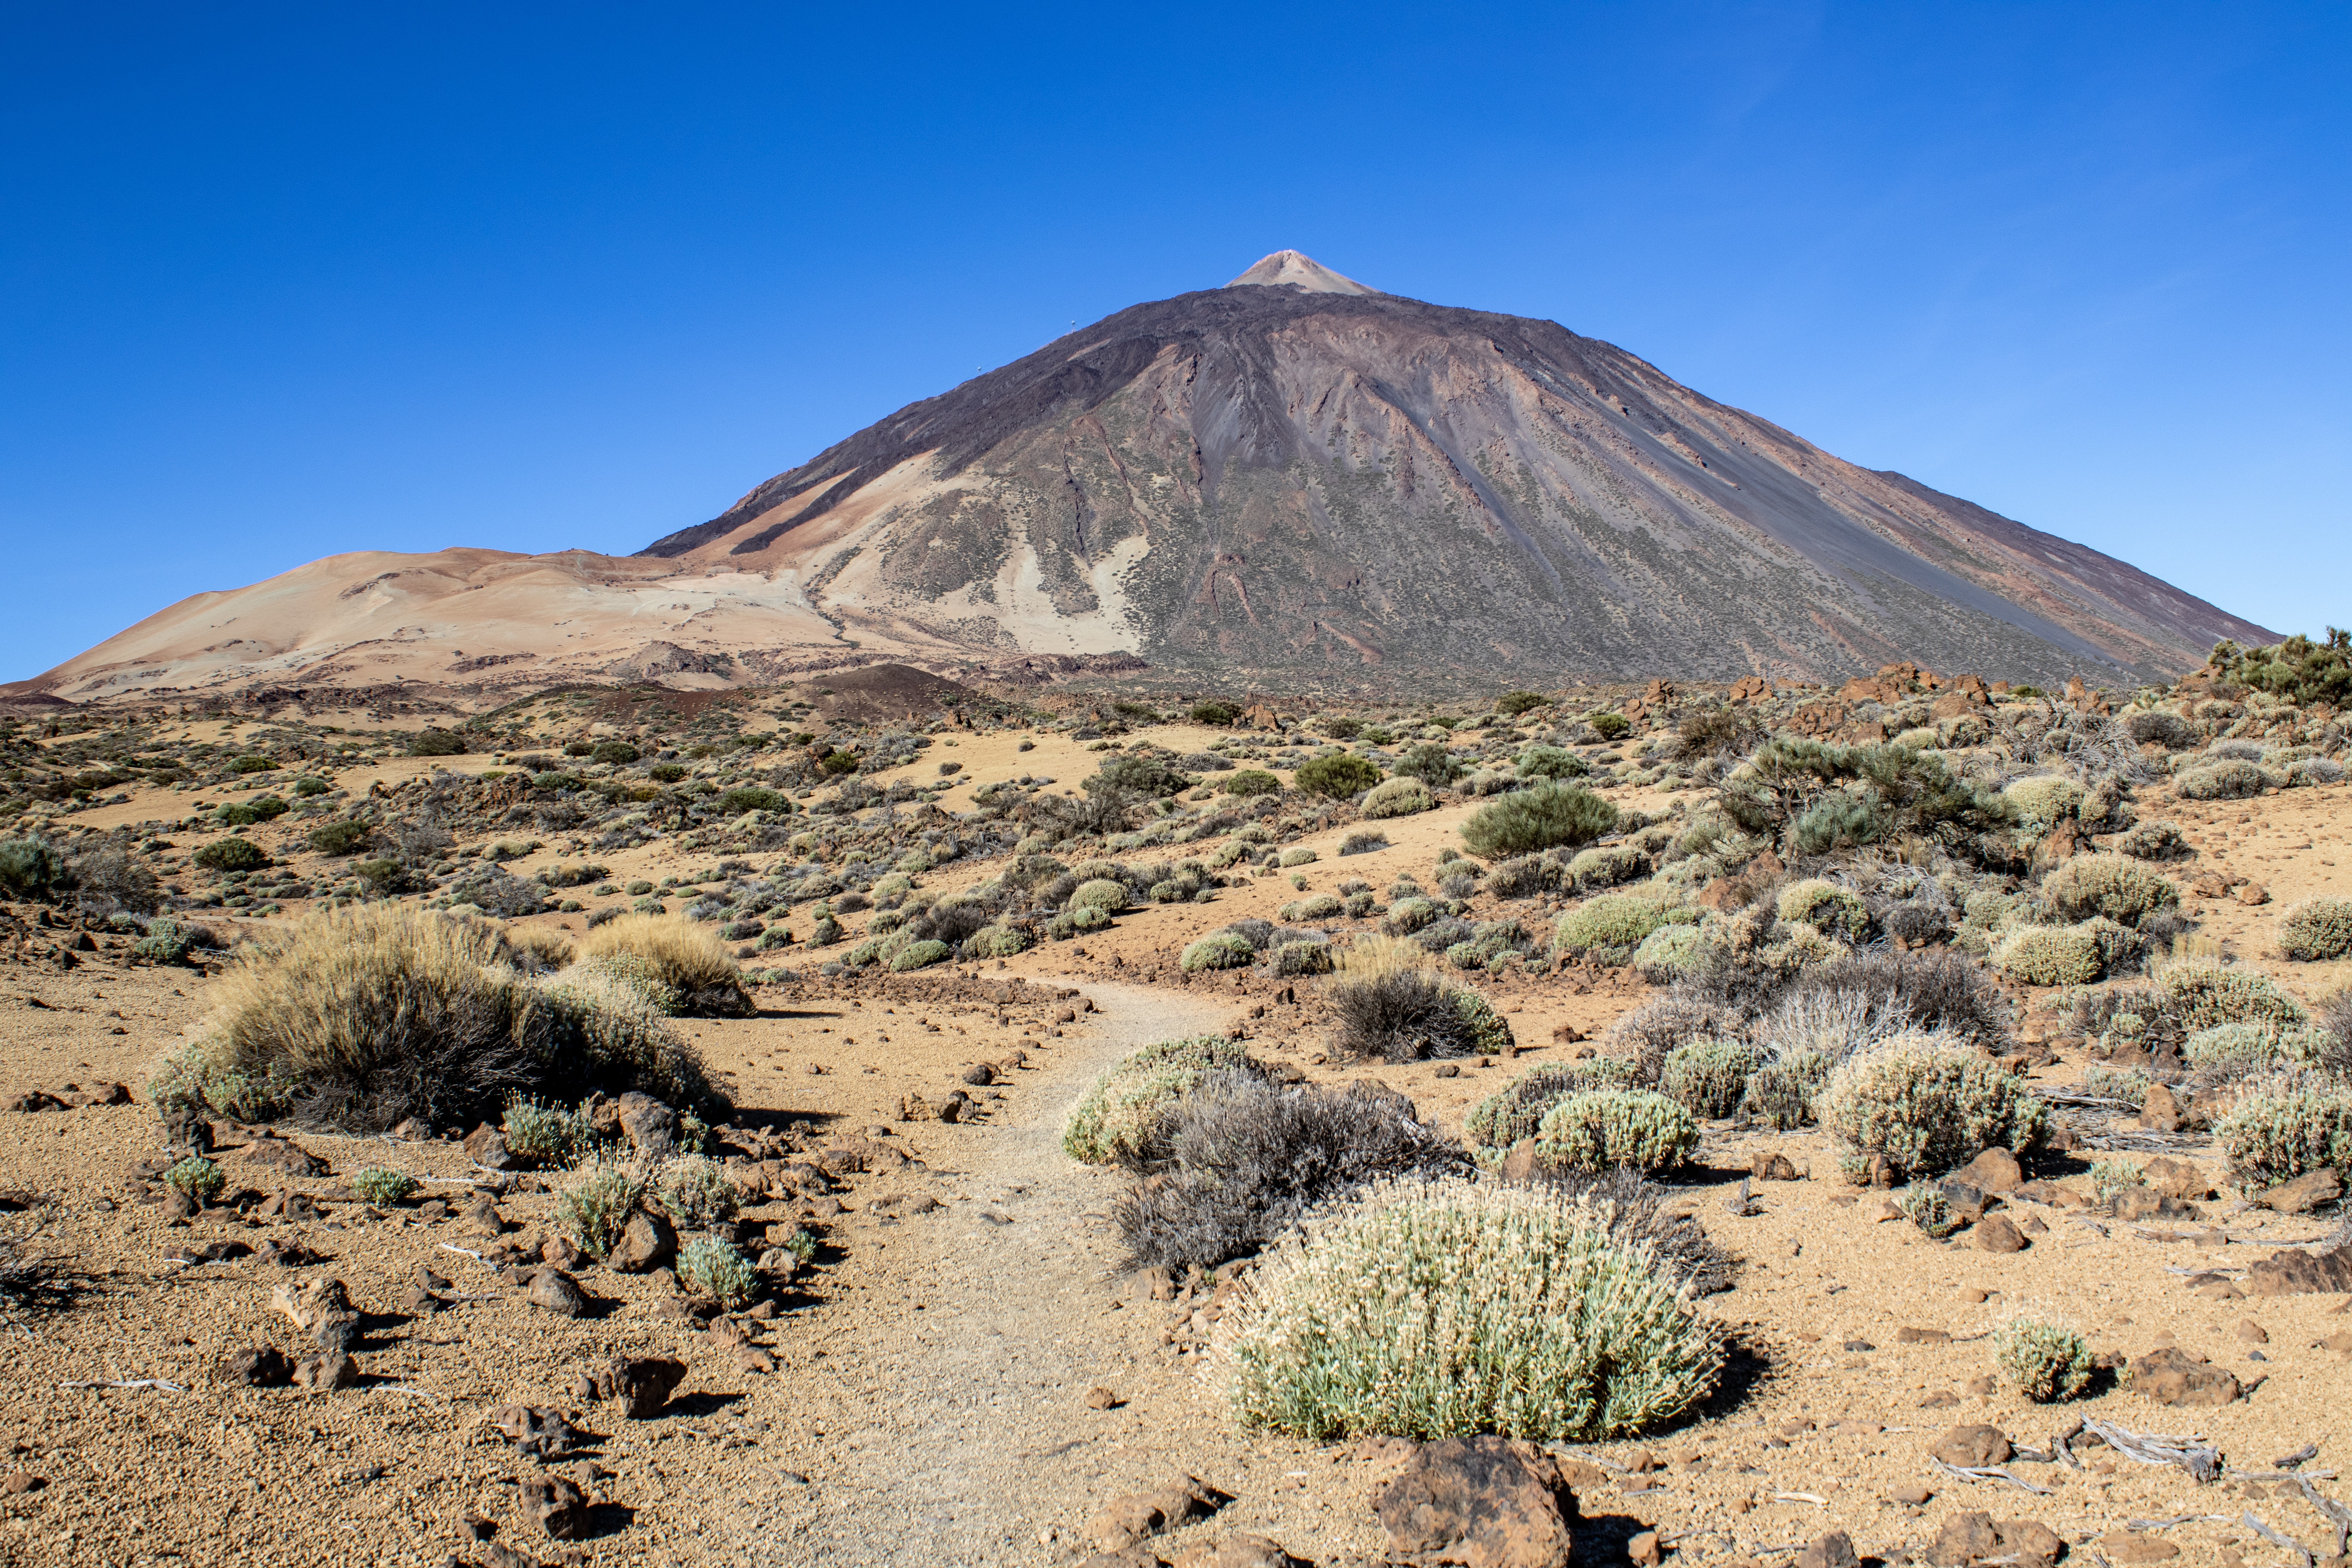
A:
[279, 281]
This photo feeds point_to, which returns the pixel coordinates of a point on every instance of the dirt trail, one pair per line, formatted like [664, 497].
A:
[954, 1421]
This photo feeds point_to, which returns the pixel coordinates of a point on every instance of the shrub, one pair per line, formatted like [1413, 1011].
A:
[1238, 1161]
[709, 1267]
[231, 854]
[1671, 951]
[2316, 929]
[1608, 928]
[1364, 843]
[1427, 1310]
[28, 866]
[751, 798]
[197, 1176]
[1218, 949]
[594, 1205]
[2154, 841]
[1595, 1128]
[1409, 1013]
[307, 787]
[2042, 803]
[1827, 908]
[1514, 703]
[996, 942]
[1838, 821]
[383, 1187]
[1298, 854]
[920, 956]
[1251, 781]
[1214, 713]
[1928, 1105]
[1551, 763]
[1343, 728]
[436, 742]
[2277, 1134]
[2170, 730]
[2236, 1050]
[1118, 1117]
[2227, 779]
[1610, 726]
[1607, 865]
[2043, 1361]
[1134, 773]
[2111, 885]
[1409, 914]
[2201, 993]
[686, 957]
[614, 1038]
[2106, 1082]
[1431, 762]
[245, 813]
[168, 940]
[340, 838]
[1103, 894]
[1338, 777]
[253, 765]
[1709, 1078]
[1925, 1205]
[542, 1134]
[2060, 956]
[618, 752]
[1861, 999]
[2110, 1177]
[1514, 1111]
[695, 1191]
[1548, 817]
[1397, 797]
[1905, 792]
[1780, 1092]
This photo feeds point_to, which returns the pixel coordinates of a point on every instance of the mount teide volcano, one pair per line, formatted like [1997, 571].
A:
[1293, 473]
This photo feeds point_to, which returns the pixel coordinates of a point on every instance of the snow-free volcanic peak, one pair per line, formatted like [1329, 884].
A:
[1294, 269]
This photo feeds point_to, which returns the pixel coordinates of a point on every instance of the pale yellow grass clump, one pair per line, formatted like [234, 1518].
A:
[1372, 955]
[688, 958]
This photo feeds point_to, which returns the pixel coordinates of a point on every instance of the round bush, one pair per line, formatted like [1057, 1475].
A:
[2236, 1050]
[1116, 1116]
[2231, 779]
[231, 854]
[1397, 797]
[1218, 949]
[2201, 993]
[1551, 763]
[384, 1188]
[1101, 893]
[1250, 781]
[1928, 1105]
[2170, 730]
[1829, 909]
[2043, 802]
[1612, 926]
[1511, 704]
[2316, 929]
[2043, 1361]
[1598, 1129]
[1431, 1311]
[997, 942]
[2278, 1134]
[2060, 956]
[340, 838]
[1607, 865]
[1214, 713]
[1709, 1078]
[1338, 777]
[1670, 951]
[618, 752]
[28, 866]
[752, 797]
[1551, 815]
[920, 956]
[2111, 885]
[594, 1205]
[709, 1267]
[1610, 726]
[1297, 855]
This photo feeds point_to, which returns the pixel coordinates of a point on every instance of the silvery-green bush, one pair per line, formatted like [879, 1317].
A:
[2279, 1133]
[2316, 929]
[1928, 1105]
[1708, 1078]
[1598, 1129]
[2043, 1361]
[1428, 1311]
[2114, 886]
[1118, 1113]
[1829, 909]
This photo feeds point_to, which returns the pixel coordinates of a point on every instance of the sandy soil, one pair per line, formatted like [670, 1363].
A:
[928, 1398]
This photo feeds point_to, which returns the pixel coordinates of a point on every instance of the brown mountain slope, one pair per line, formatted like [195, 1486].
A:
[1292, 474]
[1307, 472]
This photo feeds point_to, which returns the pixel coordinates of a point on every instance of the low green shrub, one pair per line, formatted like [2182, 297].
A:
[1551, 763]
[2201, 993]
[1670, 952]
[340, 838]
[1218, 949]
[1513, 703]
[1251, 781]
[1598, 1129]
[618, 752]
[1115, 1117]
[1925, 1205]
[752, 797]
[231, 854]
[2316, 929]
[997, 942]
[1607, 865]
[1428, 1311]
[1610, 927]
[1214, 713]
[1780, 1092]
[28, 866]
[1516, 1111]
[197, 1177]
[436, 742]
[544, 1135]
[383, 1187]
[1548, 816]
[1337, 777]
[2043, 1361]
[695, 1191]
[2277, 1134]
[2060, 956]
[594, 1205]
[1709, 1078]
[307, 787]
[1397, 797]
[168, 940]
[2114, 886]
[2230, 779]
[2044, 802]
[1826, 907]
[1929, 1105]
[920, 956]
[1610, 726]
[2238, 1050]
[1103, 894]
[718, 1269]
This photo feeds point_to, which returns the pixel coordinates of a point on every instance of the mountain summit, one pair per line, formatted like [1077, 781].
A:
[1293, 476]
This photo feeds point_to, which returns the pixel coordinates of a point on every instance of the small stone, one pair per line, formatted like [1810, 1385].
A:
[278, 1155]
[1645, 1550]
[1972, 1447]
[2160, 1113]
[651, 1126]
[1834, 1549]
[18, 1483]
[322, 1373]
[556, 1291]
[2303, 1193]
[2253, 895]
[2297, 1273]
[641, 1385]
[979, 1075]
[1129, 1520]
[2169, 1375]
[557, 1504]
[1982, 1387]
[483, 1218]
[1774, 1166]
[646, 1242]
[752, 1359]
[1911, 1494]
[1101, 1398]
[487, 1146]
[2132, 1546]
[263, 1366]
[1488, 1500]
[1998, 1232]
[1448, 1069]
[1859, 1347]
[2253, 1332]
[560, 1252]
[1922, 1336]
[1995, 1169]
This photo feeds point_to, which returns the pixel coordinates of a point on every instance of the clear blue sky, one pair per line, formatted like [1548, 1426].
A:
[279, 281]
